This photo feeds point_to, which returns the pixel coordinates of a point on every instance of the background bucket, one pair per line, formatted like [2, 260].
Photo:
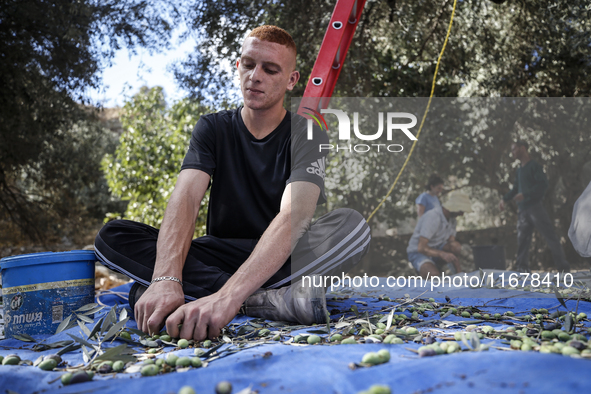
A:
[40, 290]
[489, 256]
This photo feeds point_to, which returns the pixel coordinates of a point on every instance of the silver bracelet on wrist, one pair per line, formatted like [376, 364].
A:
[161, 278]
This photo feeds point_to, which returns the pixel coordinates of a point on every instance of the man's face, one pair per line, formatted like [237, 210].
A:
[266, 71]
[516, 151]
[437, 189]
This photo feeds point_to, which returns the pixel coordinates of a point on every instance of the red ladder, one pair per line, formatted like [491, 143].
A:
[333, 52]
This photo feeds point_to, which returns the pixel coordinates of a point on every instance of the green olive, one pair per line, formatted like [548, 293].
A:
[396, 341]
[165, 338]
[264, 332]
[159, 362]
[548, 335]
[349, 341]
[465, 314]
[379, 331]
[336, 337]
[384, 355]
[412, 331]
[150, 370]
[563, 336]
[568, 351]
[118, 366]
[11, 359]
[207, 343]
[171, 359]
[313, 339]
[48, 365]
[223, 388]
[125, 335]
[381, 325]
[183, 343]
[66, 378]
[389, 338]
[371, 358]
[196, 362]
[183, 362]
[379, 389]
[186, 390]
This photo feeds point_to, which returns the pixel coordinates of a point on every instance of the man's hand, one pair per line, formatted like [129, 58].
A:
[448, 257]
[518, 197]
[202, 318]
[154, 306]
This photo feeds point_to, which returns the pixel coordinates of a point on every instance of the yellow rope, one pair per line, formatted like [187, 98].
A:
[424, 115]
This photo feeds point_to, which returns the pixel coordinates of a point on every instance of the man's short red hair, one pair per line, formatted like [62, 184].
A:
[274, 34]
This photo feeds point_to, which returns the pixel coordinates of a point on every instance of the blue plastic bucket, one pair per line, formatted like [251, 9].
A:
[40, 290]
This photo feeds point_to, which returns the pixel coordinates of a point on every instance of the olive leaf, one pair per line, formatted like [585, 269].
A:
[474, 341]
[449, 311]
[465, 340]
[568, 322]
[319, 331]
[559, 298]
[85, 355]
[120, 352]
[136, 332]
[84, 329]
[96, 328]
[114, 329]
[110, 319]
[70, 348]
[24, 337]
[41, 347]
[95, 310]
[80, 340]
[63, 325]
[123, 314]
[87, 307]
[389, 322]
[85, 319]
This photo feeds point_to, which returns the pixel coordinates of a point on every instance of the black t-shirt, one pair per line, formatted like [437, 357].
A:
[248, 175]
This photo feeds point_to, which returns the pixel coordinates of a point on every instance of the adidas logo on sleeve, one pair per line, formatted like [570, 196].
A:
[317, 167]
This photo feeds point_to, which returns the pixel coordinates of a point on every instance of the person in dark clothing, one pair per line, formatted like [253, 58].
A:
[528, 192]
[266, 179]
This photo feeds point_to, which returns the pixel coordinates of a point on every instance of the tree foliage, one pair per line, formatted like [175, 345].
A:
[52, 51]
[144, 168]
[520, 48]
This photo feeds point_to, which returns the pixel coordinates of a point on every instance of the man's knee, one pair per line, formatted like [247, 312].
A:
[335, 242]
[428, 269]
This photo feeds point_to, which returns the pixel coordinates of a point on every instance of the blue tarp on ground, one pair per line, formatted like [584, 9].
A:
[325, 368]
